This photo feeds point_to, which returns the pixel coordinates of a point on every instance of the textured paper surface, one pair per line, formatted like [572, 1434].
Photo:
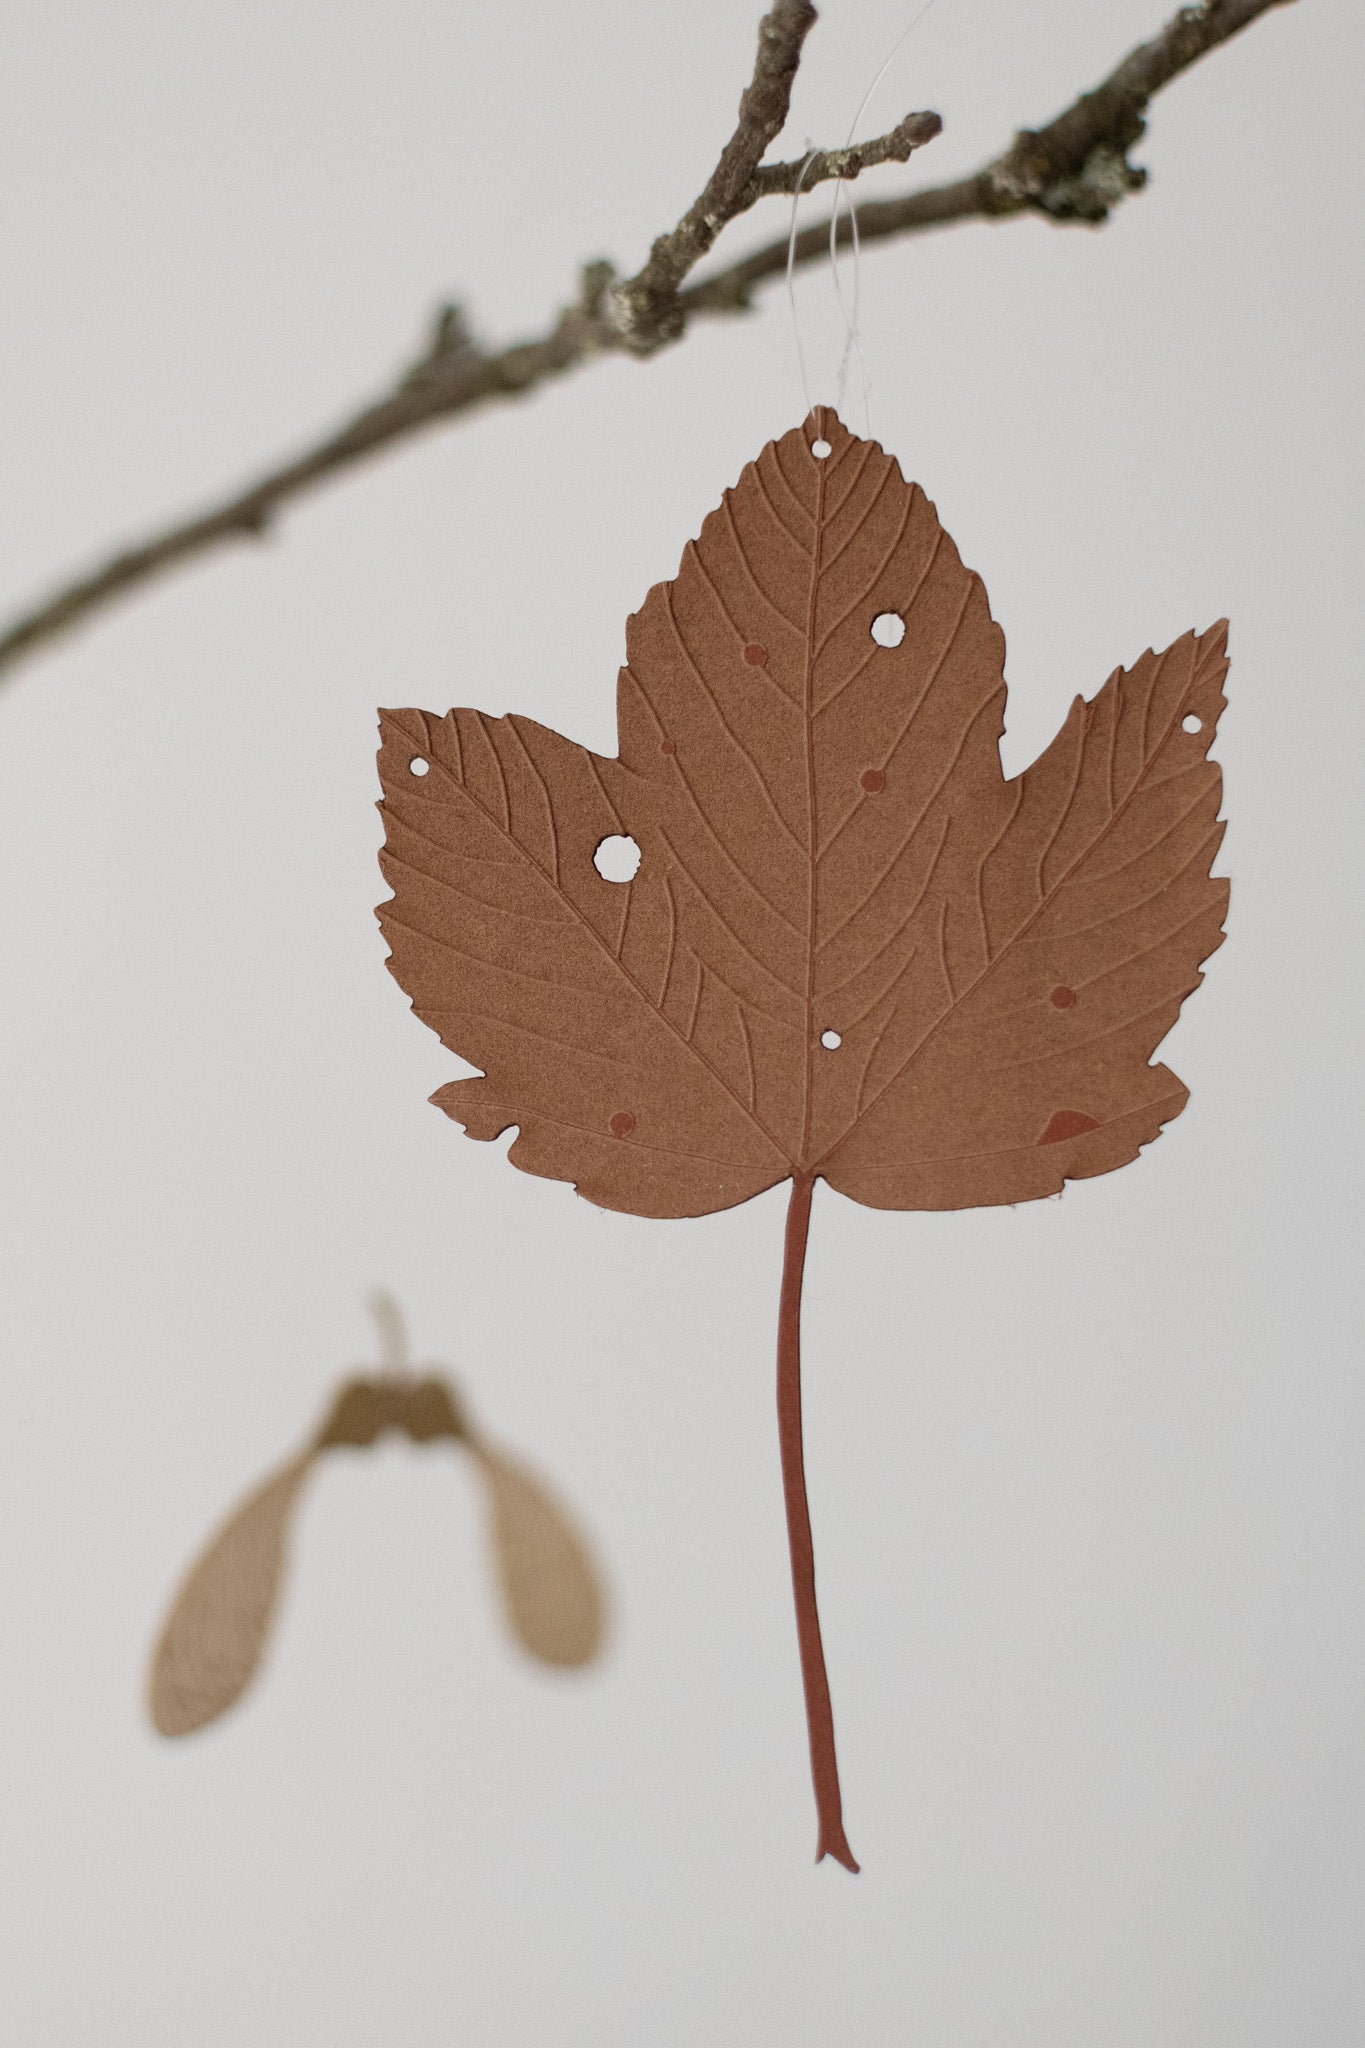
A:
[828, 846]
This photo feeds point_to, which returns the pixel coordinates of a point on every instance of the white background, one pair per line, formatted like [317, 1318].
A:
[1086, 1477]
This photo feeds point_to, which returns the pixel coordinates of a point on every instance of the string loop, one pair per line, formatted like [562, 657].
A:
[849, 309]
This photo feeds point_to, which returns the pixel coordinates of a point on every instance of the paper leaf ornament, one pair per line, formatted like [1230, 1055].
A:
[216, 1632]
[852, 951]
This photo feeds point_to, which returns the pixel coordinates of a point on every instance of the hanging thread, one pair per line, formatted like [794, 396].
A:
[791, 284]
[850, 310]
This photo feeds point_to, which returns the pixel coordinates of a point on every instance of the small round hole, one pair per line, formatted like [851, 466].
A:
[820, 449]
[888, 629]
[1189, 723]
[617, 858]
[830, 1040]
[417, 766]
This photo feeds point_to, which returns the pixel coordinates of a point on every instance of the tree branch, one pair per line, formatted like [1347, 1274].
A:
[644, 309]
[1075, 169]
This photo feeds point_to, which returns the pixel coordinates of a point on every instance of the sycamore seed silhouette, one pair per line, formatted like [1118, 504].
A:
[215, 1635]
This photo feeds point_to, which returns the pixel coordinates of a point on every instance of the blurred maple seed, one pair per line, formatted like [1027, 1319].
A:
[842, 955]
[215, 1634]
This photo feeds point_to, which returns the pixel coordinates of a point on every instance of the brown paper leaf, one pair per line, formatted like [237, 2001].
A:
[999, 960]
[212, 1643]
[546, 1574]
[853, 950]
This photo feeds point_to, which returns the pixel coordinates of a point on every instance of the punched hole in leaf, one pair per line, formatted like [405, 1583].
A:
[888, 629]
[831, 1041]
[1189, 723]
[820, 449]
[617, 858]
[417, 766]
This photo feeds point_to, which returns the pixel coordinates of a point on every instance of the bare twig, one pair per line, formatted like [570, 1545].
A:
[644, 308]
[1075, 169]
[895, 147]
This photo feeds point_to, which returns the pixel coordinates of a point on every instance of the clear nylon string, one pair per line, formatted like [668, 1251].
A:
[849, 308]
[791, 285]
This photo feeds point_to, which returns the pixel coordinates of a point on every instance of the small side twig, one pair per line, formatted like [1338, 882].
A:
[645, 310]
[895, 147]
[1075, 169]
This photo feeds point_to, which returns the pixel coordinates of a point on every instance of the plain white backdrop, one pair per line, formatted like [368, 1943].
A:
[1086, 1477]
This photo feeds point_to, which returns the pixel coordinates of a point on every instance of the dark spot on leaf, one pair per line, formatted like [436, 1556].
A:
[873, 780]
[667, 747]
[1068, 1123]
[622, 1124]
[756, 656]
[1063, 998]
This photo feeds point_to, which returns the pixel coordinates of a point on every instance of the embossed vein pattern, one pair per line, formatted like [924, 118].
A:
[877, 745]
[576, 997]
[842, 949]
[1095, 888]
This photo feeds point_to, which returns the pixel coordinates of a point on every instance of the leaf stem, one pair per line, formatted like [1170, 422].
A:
[824, 1764]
